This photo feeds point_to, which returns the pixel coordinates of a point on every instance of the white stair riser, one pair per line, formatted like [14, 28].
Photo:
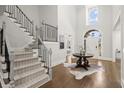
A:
[24, 56]
[25, 62]
[24, 70]
[40, 83]
[29, 78]
[2, 59]
[4, 66]
[5, 13]
[5, 75]
[23, 50]
[12, 19]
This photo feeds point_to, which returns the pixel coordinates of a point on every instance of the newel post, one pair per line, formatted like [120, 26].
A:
[50, 63]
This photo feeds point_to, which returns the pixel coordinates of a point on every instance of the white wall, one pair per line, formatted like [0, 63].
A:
[15, 37]
[67, 22]
[104, 25]
[32, 12]
[48, 13]
[116, 30]
[116, 9]
[65, 18]
[116, 43]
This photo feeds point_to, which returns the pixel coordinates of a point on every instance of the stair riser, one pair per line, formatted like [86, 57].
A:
[26, 62]
[23, 51]
[4, 66]
[40, 83]
[24, 70]
[29, 78]
[23, 56]
[5, 75]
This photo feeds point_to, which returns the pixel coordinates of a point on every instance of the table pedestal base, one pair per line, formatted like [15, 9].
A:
[85, 65]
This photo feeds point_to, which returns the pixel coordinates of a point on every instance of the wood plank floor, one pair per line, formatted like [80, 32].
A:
[110, 78]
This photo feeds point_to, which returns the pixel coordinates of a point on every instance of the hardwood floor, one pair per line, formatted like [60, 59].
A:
[110, 78]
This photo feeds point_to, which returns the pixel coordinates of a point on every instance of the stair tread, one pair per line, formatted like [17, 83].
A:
[22, 59]
[24, 53]
[32, 82]
[23, 66]
[17, 77]
[21, 50]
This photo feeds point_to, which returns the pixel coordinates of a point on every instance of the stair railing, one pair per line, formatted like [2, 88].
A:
[49, 32]
[45, 54]
[16, 13]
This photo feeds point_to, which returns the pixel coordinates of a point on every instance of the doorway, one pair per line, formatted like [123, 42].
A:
[93, 45]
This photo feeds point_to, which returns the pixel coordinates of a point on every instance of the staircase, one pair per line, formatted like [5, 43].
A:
[29, 67]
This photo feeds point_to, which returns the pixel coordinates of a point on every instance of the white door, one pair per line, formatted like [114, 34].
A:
[92, 46]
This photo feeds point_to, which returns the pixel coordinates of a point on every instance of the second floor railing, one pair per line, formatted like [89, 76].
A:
[49, 32]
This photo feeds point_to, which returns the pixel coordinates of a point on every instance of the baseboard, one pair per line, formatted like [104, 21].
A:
[57, 63]
[105, 58]
[122, 83]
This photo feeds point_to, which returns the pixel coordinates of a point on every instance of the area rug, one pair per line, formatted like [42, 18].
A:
[79, 73]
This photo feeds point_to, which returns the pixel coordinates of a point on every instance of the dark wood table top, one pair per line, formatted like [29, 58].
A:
[81, 55]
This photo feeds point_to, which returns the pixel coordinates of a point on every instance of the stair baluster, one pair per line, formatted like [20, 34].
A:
[16, 13]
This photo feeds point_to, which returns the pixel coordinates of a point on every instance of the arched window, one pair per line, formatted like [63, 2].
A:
[91, 15]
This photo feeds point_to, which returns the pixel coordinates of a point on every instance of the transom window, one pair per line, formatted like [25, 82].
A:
[91, 15]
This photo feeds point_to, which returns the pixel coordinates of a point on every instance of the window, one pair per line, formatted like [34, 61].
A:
[91, 15]
[95, 34]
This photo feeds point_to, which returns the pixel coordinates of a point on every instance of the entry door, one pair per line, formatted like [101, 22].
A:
[92, 46]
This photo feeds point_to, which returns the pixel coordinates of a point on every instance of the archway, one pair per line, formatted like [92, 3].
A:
[92, 42]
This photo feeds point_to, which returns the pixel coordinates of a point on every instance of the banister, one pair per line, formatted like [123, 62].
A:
[24, 14]
[21, 18]
[49, 25]
[46, 55]
[49, 32]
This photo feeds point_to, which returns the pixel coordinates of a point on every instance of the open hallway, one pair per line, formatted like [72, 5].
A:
[103, 79]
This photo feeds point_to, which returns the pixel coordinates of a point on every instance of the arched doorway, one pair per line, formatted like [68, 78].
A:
[92, 42]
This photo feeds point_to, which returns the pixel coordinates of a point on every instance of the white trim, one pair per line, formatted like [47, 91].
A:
[104, 58]
[122, 38]
[116, 20]
[122, 83]
[57, 63]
